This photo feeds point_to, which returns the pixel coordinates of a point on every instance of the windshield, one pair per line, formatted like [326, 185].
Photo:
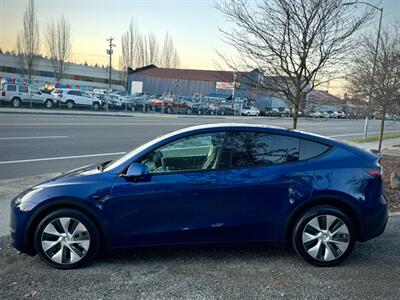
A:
[127, 157]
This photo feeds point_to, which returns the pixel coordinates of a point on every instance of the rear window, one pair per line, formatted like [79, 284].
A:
[22, 89]
[309, 149]
[11, 88]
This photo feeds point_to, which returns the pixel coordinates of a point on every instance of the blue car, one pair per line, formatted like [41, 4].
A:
[212, 183]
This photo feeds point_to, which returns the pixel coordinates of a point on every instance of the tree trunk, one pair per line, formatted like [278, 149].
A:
[382, 127]
[295, 114]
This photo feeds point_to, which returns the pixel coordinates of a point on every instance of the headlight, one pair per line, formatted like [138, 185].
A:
[22, 201]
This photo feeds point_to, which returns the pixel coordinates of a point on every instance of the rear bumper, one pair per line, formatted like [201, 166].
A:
[375, 224]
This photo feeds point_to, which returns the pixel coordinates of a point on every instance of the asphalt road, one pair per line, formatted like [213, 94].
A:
[209, 272]
[32, 144]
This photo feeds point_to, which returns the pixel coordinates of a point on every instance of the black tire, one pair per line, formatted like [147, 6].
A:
[75, 215]
[70, 104]
[16, 102]
[96, 106]
[189, 111]
[308, 216]
[49, 103]
[248, 114]
[169, 110]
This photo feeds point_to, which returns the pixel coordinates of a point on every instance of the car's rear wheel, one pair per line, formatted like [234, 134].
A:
[96, 106]
[324, 236]
[66, 239]
[16, 102]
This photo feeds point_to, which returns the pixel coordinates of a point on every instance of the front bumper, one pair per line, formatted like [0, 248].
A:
[19, 221]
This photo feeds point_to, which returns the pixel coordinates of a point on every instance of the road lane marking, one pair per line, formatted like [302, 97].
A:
[59, 158]
[94, 124]
[34, 137]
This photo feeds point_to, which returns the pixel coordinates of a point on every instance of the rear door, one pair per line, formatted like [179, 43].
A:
[265, 179]
[23, 92]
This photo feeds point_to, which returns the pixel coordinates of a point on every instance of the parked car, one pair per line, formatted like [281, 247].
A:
[250, 111]
[317, 114]
[18, 94]
[201, 108]
[226, 110]
[270, 112]
[211, 183]
[76, 98]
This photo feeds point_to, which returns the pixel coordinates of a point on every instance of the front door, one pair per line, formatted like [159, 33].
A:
[177, 203]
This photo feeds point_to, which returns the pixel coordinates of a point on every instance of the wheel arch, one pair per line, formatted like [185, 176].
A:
[323, 200]
[67, 203]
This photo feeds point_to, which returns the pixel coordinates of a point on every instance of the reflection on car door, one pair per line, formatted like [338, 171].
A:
[177, 203]
[261, 185]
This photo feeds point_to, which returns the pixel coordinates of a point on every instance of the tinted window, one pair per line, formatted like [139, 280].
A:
[22, 89]
[11, 88]
[249, 149]
[199, 152]
[309, 149]
[74, 93]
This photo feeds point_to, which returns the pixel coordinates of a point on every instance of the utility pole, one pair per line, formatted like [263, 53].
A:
[110, 53]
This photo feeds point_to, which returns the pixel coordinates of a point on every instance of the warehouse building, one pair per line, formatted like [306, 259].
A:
[152, 80]
[76, 75]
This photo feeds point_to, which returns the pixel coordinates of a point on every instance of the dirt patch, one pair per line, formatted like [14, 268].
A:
[390, 164]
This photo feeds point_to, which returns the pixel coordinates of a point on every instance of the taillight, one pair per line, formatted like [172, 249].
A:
[375, 172]
[3, 93]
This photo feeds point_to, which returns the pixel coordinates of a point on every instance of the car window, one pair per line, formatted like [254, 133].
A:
[199, 152]
[22, 89]
[310, 149]
[11, 88]
[250, 149]
[84, 94]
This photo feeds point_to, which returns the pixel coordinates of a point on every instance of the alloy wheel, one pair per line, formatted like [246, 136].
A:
[65, 240]
[326, 237]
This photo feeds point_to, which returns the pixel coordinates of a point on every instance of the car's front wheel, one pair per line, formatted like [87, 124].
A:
[66, 239]
[324, 236]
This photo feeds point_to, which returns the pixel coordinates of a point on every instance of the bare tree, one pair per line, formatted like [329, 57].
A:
[58, 41]
[293, 44]
[28, 40]
[169, 57]
[384, 84]
[130, 42]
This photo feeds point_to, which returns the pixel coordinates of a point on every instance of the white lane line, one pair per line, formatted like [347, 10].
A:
[361, 133]
[95, 124]
[34, 137]
[59, 158]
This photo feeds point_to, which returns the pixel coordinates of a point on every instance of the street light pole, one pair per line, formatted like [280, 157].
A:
[373, 71]
[375, 58]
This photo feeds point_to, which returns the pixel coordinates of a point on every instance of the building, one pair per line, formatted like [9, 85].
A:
[76, 75]
[196, 83]
[318, 100]
[182, 82]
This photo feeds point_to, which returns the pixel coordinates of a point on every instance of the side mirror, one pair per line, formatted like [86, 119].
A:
[137, 171]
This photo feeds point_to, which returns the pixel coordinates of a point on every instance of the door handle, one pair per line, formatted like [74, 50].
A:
[202, 183]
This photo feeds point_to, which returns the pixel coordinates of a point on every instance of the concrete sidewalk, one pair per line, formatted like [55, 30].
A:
[389, 146]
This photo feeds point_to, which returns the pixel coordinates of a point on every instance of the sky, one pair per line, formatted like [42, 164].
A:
[193, 24]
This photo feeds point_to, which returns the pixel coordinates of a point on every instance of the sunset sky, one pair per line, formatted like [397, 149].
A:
[192, 23]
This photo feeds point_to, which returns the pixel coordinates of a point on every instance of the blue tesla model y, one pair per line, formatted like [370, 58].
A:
[212, 183]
